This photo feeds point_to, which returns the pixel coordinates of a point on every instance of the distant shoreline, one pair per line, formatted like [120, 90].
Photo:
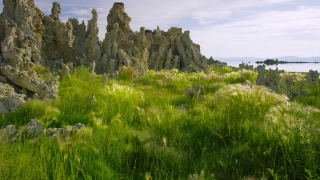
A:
[275, 62]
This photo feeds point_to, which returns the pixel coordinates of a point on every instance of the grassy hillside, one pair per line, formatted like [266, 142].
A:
[147, 128]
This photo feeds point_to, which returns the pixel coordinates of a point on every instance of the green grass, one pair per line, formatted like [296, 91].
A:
[145, 127]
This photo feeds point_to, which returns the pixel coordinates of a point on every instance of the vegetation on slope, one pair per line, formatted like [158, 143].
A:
[146, 128]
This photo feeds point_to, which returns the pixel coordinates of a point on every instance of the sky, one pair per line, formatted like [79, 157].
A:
[223, 28]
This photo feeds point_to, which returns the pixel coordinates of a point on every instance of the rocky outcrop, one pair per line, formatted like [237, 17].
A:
[146, 49]
[118, 15]
[121, 46]
[195, 93]
[79, 47]
[58, 38]
[21, 48]
[217, 63]
[29, 80]
[29, 39]
[286, 83]
[23, 31]
[93, 45]
[35, 130]
[9, 99]
[175, 49]
[270, 79]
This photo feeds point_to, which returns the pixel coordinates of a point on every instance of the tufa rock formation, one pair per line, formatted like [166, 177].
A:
[195, 93]
[217, 63]
[270, 79]
[21, 48]
[146, 49]
[30, 39]
[9, 99]
[35, 130]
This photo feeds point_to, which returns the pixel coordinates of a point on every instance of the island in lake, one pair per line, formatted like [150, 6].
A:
[276, 61]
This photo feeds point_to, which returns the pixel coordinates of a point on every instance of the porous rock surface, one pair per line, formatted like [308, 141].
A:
[34, 130]
[29, 38]
[9, 99]
[147, 49]
[21, 37]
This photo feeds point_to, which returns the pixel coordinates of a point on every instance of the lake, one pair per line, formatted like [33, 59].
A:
[291, 67]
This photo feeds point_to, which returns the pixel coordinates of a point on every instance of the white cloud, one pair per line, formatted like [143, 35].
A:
[267, 34]
[264, 28]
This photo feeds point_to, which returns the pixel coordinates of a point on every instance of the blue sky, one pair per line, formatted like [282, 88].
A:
[223, 28]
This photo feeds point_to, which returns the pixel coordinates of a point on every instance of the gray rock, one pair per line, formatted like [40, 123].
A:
[9, 99]
[92, 42]
[34, 131]
[195, 93]
[9, 134]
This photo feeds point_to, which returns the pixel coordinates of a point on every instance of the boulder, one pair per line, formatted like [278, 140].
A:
[35, 130]
[9, 99]
[195, 93]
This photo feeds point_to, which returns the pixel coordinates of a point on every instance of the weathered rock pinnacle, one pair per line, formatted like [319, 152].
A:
[158, 50]
[93, 46]
[118, 15]
[55, 11]
[30, 39]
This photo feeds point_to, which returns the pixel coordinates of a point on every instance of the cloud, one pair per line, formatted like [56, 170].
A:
[261, 28]
[266, 34]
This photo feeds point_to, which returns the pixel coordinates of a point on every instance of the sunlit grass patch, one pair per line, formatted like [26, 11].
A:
[119, 99]
[146, 127]
[240, 76]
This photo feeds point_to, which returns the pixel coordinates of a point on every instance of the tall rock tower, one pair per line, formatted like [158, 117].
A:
[146, 49]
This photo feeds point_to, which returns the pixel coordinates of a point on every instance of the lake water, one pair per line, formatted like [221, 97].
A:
[292, 67]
